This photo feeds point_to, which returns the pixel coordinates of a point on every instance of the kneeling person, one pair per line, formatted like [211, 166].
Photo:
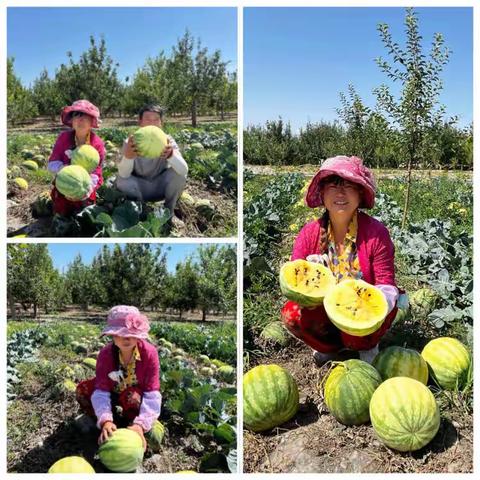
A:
[145, 179]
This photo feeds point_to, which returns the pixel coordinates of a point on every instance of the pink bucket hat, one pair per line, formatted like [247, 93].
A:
[126, 321]
[348, 168]
[81, 106]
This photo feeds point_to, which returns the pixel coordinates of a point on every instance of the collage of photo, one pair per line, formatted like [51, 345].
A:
[234, 249]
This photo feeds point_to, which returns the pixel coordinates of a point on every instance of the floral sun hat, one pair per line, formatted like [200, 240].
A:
[126, 321]
[348, 168]
[81, 106]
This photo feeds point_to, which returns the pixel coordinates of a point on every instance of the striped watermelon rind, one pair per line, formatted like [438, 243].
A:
[87, 157]
[122, 452]
[71, 465]
[270, 397]
[449, 362]
[404, 414]
[348, 390]
[150, 141]
[73, 182]
[401, 362]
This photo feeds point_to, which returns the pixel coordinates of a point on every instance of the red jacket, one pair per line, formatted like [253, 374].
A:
[147, 370]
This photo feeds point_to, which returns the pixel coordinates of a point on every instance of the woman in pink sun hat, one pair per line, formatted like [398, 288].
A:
[353, 245]
[127, 374]
[82, 116]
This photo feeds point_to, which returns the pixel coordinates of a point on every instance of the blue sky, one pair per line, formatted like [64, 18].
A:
[63, 253]
[40, 37]
[297, 60]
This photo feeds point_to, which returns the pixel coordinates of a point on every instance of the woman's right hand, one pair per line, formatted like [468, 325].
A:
[107, 431]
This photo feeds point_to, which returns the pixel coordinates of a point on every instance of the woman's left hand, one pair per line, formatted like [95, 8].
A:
[139, 430]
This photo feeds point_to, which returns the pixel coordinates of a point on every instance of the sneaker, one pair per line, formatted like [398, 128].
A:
[321, 358]
[368, 355]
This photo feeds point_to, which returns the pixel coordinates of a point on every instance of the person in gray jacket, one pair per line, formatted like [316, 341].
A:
[145, 179]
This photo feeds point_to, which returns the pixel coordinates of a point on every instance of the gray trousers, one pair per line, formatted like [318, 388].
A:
[167, 186]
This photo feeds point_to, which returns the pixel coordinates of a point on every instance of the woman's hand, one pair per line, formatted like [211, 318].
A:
[107, 431]
[137, 428]
[130, 150]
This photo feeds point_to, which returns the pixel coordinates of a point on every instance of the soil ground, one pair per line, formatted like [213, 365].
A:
[314, 442]
[311, 170]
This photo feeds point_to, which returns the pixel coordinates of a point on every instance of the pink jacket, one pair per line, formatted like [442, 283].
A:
[374, 246]
[66, 141]
[147, 371]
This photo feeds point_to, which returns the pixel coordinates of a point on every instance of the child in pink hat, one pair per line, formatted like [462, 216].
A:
[353, 245]
[127, 374]
[82, 116]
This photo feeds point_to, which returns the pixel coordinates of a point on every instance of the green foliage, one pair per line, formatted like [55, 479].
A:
[215, 340]
[20, 103]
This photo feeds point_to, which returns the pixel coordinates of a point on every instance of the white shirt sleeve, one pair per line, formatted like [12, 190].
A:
[55, 166]
[124, 165]
[176, 160]
[391, 294]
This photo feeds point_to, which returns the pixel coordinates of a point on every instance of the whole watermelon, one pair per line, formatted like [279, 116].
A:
[423, 301]
[150, 141]
[270, 397]
[404, 414]
[449, 362]
[71, 465]
[401, 362]
[122, 452]
[73, 182]
[226, 373]
[275, 333]
[155, 436]
[87, 157]
[348, 390]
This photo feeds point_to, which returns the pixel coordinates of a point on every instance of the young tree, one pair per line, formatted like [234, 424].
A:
[93, 76]
[47, 95]
[20, 103]
[417, 108]
[29, 276]
[195, 73]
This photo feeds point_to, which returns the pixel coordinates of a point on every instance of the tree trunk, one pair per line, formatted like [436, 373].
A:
[204, 315]
[180, 314]
[194, 113]
[407, 193]
[13, 310]
[35, 310]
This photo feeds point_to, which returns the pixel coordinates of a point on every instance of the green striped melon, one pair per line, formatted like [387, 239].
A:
[155, 436]
[404, 414]
[73, 182]
[90, 362]
[71, 465]
[150, 141]
[270, 397]
[348, 390]
[423, 301]
[226, 373]
[306, 283]
[401, 362]
[449, 362]
[87, 157]
[30, 164]
[122, 452]
[274, 332]
[356, 307]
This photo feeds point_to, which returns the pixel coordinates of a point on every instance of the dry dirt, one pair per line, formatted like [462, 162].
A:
[314, 442]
